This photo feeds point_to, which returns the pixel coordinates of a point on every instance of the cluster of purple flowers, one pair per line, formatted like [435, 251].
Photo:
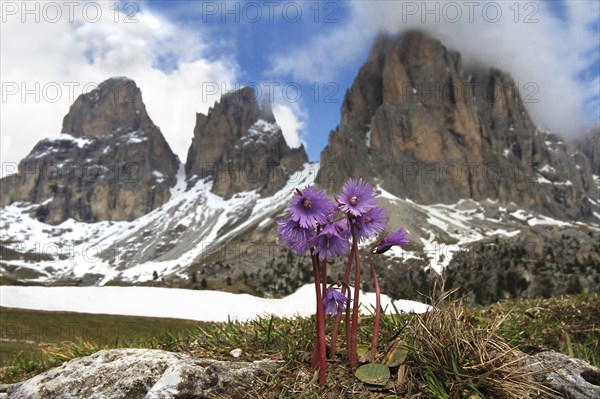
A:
[329, 228]
[326, 226]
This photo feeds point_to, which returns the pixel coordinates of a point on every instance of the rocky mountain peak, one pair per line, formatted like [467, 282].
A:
[239, 145]
[115, 105]
[427, 129]
[111, 162]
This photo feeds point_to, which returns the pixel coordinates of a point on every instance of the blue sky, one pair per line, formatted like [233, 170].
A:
[254, 32]
[307, 52]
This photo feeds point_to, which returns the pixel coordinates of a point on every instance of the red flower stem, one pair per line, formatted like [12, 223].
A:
[338, 317]
[324, 277]
[348, 321]
[319, 356]
[316, 347]
[377, 308]
[354, 329]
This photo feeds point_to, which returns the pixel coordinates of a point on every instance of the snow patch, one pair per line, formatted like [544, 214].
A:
[189, 225]
[547, 169]
[386, 194]
[178, 303]
[564, 183]
[503, 232]
[81, 142]
[135, 137]
[542, 180]
[544, 220]
[260, 132]
[159, 176]
[520, 215]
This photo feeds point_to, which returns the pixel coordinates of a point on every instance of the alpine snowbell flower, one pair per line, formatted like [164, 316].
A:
[331, 241]
[295, 237]
[310, 207]
[371, 223]
[357, 197]
[396, 238]
[334, 302]
[342, 228]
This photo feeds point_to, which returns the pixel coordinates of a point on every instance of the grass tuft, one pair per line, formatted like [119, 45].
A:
[450, 357]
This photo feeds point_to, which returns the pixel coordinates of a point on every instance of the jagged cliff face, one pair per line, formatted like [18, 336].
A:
[427, 130]
[110, 162]
[240, 146]
[590, 147]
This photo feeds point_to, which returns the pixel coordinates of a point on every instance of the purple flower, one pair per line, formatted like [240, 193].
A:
[396, 238]
[341, 226]
[310, 207]
[357, 197]
[334, 302]
[294, 236]
[332, 241]
[370, 224]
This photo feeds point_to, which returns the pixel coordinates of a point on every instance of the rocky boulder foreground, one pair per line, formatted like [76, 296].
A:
[140, 374]
[154, 374]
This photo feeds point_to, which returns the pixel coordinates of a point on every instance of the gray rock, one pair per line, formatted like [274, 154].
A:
[573, 378]
[140, 373]
[116, 104]
[590, 146]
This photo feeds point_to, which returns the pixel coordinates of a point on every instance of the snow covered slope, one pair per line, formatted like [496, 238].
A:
[195, 224]
[167, 240]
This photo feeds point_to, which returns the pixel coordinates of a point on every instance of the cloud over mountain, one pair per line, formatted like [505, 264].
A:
[551, 54]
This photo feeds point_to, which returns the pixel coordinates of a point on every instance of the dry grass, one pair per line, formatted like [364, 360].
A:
[448, 357]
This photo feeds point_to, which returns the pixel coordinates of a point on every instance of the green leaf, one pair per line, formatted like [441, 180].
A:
[373, 373]
[396, 356]
[363, 353]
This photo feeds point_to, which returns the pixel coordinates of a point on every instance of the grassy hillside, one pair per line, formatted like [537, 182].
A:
[32, 341]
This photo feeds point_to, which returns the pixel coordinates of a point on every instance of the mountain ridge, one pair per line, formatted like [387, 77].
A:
[211, 222]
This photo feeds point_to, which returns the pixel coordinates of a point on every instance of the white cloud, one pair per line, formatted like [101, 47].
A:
[522, 38]
[292, 121]
[59, 60]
